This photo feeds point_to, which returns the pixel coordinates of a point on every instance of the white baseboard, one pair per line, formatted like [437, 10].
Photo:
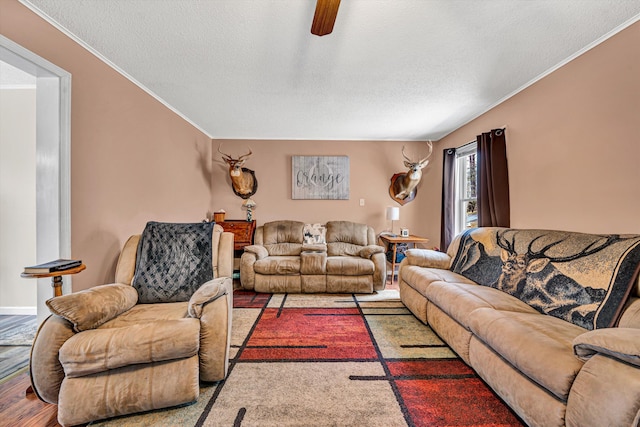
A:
[18, 311]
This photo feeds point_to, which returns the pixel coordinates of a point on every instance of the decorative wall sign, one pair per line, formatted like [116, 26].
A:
[320, 177]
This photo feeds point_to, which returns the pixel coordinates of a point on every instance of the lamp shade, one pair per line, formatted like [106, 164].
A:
[393, 213]
[249, 203]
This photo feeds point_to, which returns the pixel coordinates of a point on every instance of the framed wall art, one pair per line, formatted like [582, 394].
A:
[320, 177]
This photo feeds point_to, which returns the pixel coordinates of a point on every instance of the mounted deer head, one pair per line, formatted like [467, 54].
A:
[243, 180]
[403, 186]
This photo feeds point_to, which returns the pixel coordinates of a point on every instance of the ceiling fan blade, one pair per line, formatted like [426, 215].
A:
[325, 17]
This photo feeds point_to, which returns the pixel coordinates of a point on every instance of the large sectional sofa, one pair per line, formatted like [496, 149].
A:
[550, 320]
[291, 256]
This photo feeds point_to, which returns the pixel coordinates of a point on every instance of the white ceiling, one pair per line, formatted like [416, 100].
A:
[391, 69]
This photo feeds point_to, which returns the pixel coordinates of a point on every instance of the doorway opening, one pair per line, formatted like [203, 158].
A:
[52, 161]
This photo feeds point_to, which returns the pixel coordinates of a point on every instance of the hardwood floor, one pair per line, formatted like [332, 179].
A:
[17, 408]
[16, 335]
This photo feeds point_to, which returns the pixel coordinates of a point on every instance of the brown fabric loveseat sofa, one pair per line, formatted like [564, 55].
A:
[103, 353]
[290, 256]
[550, 320]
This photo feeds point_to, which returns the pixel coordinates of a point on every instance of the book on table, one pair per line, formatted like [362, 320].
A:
[53, 266]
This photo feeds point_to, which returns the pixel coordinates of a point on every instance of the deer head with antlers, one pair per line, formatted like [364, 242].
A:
[243, 180]
[403, 185]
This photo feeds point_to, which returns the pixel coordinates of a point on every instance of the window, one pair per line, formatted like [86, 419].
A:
[466, 206]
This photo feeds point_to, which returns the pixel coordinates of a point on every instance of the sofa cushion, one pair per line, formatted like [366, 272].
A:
[349, 266]
[173, 260]
[346, 238]
[284, 249]
[99, 350]
[313, 262]
[282, 265]
[428, 258]
[145, 313]
[419, 277]
[459, 300]
[343, 249]
[92, 307]
[539, 346]
[564, 274]
[283, 238]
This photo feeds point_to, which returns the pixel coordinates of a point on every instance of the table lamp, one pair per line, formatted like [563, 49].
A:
[249, 204]
[393, 214]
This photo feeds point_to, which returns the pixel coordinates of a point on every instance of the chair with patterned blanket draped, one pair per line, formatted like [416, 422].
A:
[146, 341]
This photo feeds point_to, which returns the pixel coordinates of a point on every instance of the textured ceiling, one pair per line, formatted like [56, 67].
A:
[391, 69]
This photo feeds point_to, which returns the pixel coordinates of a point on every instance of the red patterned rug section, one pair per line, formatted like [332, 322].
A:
[448, 393]
[249, 299]
[429, 368]
[310, 334]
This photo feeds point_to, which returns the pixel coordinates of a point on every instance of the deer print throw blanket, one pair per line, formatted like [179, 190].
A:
[562, 274]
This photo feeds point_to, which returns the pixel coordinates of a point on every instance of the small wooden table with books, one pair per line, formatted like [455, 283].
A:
[55, 270]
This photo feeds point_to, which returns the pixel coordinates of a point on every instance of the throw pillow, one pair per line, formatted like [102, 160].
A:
[314, 234]
[173, 260]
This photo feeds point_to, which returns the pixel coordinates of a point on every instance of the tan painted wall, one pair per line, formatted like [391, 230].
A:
[132, 159]
[573, 144]
[371, 165]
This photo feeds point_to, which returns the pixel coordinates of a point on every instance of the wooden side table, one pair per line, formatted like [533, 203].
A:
[56, 277]
[394, 240]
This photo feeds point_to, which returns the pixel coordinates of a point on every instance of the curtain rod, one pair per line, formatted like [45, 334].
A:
[503, 127]
[465, 145]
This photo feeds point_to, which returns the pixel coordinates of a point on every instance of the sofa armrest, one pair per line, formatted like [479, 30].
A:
[215, 334]
[428, 258]
[259, 251]
[370, 250]
[92, 307]
[606, 389]
[247, 273]
[224, 263]
[209, 291]
[45, 369]
[622, 344]
[314, 247]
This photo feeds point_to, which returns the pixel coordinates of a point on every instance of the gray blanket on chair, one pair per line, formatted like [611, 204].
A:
[173, 261]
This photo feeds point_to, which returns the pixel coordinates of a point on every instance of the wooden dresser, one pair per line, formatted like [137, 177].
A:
[242, 232]
[242, 236]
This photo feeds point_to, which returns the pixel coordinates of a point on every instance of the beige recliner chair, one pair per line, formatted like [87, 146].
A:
[103, 353]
